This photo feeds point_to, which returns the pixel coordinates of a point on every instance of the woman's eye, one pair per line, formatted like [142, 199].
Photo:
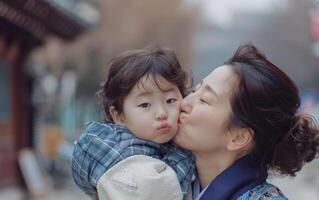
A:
[171, 100]
[203, 101]
[144, 105]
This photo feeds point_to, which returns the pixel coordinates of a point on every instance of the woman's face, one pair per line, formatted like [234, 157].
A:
[205, 113]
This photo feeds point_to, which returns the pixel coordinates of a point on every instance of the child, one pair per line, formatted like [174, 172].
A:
[141, 99]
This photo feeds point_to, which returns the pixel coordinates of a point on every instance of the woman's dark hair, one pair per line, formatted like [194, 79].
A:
[126, 69]
[267, 101]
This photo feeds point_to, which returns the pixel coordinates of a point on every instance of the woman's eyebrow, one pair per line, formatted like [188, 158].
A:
[211, 90]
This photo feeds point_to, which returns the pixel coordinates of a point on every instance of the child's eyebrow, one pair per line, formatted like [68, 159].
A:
[146, 93]
[168, 90]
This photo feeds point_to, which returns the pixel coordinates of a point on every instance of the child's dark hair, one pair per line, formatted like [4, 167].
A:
[267, 102]
[126, 69]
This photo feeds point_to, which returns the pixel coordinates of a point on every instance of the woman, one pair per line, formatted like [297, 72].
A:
[239, 122]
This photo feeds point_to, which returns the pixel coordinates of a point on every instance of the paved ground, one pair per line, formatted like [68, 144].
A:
[303, 187]
[68, 192]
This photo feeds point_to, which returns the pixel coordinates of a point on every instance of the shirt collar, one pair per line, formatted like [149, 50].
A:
[240, 177]
[197, 192]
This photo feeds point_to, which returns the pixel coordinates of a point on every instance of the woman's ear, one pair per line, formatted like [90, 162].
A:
[117, 117]
[240, 139]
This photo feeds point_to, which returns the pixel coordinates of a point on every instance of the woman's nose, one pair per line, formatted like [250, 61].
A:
[186, 105]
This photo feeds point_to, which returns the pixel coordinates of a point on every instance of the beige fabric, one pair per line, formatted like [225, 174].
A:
[139, 178]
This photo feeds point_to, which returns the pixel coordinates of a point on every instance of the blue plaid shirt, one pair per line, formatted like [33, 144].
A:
[103, 145]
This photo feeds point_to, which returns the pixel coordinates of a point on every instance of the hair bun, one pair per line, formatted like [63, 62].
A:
[300, 145]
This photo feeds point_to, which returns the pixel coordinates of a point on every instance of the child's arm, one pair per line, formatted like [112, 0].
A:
[183, 163]
[92, 155]
[100, 148]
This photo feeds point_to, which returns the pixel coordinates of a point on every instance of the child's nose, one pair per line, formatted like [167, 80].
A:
[161, 115]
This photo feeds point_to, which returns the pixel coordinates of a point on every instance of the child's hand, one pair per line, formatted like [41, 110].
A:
[94, 197]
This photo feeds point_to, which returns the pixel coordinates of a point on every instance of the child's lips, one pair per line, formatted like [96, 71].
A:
[164, 127]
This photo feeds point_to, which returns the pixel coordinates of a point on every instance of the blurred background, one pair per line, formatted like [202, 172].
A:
[53, 55]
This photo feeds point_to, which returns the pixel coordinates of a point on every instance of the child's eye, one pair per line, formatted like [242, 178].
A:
[144, 105]
[171, 100]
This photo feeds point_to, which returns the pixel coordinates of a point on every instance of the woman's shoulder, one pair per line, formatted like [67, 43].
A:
[265, 191]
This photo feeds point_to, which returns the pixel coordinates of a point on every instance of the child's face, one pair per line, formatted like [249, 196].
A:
[151, 111]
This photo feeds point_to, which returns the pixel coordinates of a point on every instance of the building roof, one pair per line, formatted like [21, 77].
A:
[80, 11]
[62, 18]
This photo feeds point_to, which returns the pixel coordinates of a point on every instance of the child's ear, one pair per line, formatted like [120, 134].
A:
[117, 117]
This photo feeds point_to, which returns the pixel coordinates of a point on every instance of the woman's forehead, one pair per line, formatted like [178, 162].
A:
[222, 79]
[223, 71]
